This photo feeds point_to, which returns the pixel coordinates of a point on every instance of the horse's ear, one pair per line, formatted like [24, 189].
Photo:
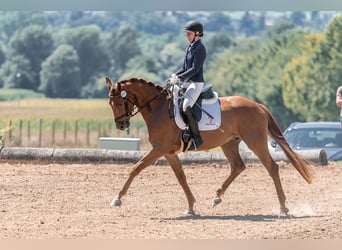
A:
[109, 82]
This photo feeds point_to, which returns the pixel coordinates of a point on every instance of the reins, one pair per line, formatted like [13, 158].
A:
[152, 99]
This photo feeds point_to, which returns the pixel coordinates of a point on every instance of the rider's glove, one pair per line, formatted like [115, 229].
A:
[174, 79]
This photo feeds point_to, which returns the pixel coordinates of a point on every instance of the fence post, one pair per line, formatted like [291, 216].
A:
[65, 131]
[40, 133]
[53, 132]
[88, 133]
[29, 130]
[20, 132]
[10, 130]
[99, 128]
[76, 131]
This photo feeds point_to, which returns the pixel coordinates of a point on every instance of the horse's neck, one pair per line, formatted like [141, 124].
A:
[150, 101]
[144, 95]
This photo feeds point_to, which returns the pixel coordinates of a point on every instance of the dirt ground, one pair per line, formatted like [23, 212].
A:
[56, 201]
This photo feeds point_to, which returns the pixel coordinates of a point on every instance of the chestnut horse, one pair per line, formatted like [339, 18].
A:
[242, 119]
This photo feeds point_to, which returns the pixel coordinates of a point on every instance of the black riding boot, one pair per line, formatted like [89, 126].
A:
[193, 127]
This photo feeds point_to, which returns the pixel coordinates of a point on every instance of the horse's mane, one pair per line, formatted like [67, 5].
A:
[141, 80]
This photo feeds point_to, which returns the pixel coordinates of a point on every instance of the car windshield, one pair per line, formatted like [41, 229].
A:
[314, 138]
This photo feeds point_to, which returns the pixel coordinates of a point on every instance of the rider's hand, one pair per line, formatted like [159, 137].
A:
[174, 79]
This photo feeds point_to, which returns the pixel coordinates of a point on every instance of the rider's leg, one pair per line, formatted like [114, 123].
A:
[191, 94]
[193, 125]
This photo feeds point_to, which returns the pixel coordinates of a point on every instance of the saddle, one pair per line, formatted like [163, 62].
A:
[206, 94]
[206, 111]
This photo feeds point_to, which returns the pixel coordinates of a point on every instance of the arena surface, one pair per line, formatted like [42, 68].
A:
[71, 201]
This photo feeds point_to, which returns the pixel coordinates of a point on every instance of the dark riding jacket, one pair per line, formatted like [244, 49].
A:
[192, 69]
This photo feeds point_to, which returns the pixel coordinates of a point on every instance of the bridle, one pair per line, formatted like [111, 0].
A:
[124, 119]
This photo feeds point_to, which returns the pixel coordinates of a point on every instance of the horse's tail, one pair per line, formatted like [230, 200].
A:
[303, 166]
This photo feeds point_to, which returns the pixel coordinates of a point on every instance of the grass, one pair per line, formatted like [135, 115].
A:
[18, 94]
[88, 113]
[92, 111]
[55, 108]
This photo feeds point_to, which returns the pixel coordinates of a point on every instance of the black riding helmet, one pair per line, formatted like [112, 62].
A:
[194, 26]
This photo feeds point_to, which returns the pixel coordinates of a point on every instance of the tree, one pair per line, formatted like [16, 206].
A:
[326, 71]
[225, 74]
[143, 66]
[218, 43]
[261, 22]
[123, 46]
[170, 55]
[2, 60]
[300, 92]
[60, 73]
[12, 21]
[256, 72]
[218, 22]
[16, 72]
[298, 18]
[91, 51]
[35, 44]
[316, 22]
[247, 26]
[155, 23]
[2, 54]
[280, 26]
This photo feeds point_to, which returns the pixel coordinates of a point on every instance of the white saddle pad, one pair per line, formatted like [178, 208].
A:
[211, 106]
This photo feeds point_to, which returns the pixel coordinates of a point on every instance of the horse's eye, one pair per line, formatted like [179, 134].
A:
[118, 104]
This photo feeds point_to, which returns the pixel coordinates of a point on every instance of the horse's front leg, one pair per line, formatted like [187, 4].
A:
[178, 170]
[149, 158]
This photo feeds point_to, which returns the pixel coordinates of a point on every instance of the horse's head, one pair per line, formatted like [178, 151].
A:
[120, 103]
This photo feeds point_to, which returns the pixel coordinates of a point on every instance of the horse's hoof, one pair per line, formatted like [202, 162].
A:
[284, 211]
[190, 212]
[116, 203]
[216, 201]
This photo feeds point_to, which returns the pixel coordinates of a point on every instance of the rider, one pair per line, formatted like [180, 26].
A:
[191, 74]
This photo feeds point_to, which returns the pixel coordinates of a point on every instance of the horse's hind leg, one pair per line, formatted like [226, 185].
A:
[178, 170]
[273, 169]
[231, 151]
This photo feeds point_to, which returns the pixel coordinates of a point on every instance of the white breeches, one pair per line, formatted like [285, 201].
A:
[193, 90]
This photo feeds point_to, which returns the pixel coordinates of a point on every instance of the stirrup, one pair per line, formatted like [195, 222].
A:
[186, 136]
[195, 143]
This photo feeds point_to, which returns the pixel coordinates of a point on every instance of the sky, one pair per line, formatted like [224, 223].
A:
[212, 5]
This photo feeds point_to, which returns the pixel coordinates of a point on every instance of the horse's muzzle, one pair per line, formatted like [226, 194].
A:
[122, 125]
